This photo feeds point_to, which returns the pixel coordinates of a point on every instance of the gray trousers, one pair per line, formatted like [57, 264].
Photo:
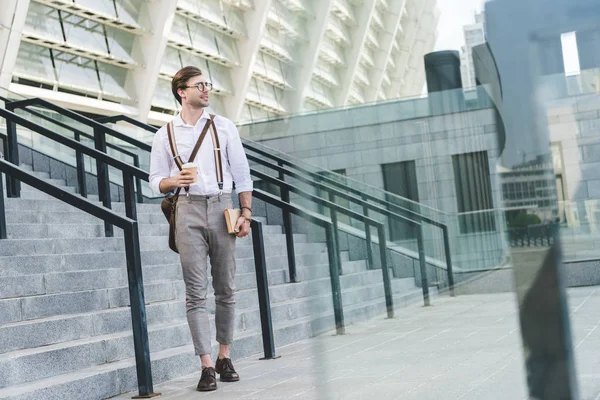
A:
[200, 233]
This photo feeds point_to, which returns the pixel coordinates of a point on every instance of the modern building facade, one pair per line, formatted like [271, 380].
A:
[265, 58]
[474, 35]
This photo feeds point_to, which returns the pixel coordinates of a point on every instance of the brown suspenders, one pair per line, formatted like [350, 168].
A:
[216, 149]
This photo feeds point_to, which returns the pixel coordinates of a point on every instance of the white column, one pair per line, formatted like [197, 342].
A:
[255, 21]
[392, 18]
[363, 20]
[148, 51]
[311, 54]
[411, 31]
[12, 21]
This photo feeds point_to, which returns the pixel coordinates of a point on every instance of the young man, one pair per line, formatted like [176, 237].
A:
[201, 230]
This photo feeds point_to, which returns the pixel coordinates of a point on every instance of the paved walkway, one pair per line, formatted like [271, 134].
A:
[466, 347]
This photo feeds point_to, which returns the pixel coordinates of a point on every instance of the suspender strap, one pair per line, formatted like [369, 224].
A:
[176, 156]
[217, 151]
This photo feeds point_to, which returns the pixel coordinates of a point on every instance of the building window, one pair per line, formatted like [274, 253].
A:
[473, 192]
[401, 179]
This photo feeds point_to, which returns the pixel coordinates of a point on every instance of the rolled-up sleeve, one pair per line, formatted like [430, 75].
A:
[159, 163]
[240, 170]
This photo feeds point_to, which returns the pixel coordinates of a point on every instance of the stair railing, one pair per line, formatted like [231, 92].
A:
[132, 255]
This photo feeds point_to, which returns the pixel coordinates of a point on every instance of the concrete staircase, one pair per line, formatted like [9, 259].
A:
[65, 326]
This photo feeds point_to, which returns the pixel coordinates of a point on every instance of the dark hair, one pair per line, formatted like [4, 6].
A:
[180, 79]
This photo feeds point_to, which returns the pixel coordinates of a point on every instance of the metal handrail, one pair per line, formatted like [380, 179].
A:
[361, 199]
[79, 157]
[132, 252]
[103, 160]
[77, 117]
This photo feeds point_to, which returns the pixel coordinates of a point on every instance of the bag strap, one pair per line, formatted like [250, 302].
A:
[176, 156]
[217, 151]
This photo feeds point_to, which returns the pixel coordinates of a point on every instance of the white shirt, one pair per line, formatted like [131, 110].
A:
[235, 164]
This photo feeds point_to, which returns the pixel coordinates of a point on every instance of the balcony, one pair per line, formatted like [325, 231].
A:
[331, 53]
[367, 57]
[254, 99]
[295, 6]
[94, 15]
[337, 31]
[318, 99]
[66, 47]
[244, 5]
[372, 40]
[343, 10]
[377, 20]
[383, 5]
[269, 46]
[209, 54]
[280, 21]
[212, 19]
[325, 77]
[362, 76]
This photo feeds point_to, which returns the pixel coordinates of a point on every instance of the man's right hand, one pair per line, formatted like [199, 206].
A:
[184, 179]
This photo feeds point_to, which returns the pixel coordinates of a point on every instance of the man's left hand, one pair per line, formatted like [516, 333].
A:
[242, 227]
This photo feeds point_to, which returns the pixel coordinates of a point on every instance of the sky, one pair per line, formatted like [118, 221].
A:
[454, 15]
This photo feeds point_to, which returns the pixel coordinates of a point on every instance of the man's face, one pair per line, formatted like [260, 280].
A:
[196, 94]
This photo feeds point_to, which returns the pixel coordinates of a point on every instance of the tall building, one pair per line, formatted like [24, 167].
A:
[474, 35]
[265, 57]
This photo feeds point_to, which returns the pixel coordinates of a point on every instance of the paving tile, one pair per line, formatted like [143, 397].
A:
[468, 348]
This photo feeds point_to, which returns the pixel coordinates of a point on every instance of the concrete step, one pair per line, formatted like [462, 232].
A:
[39, 264]
[106, 380]
[274, 245]
[89, 230]
[21, 366]
[42, 295]
[41, 306]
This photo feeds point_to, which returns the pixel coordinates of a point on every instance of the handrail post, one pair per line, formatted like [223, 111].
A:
[336, 233]
[13, 186]
[138, 313]
[262, 285]
[81, 182]
[423, 266]
[387, 285]
[336, 289]
[448, 260]
[2, 210]
[370, 264]
[103, 180]
[138, 181]
[129, 191]
[289, 234]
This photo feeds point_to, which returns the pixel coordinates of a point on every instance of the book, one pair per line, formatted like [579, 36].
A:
[231, 217]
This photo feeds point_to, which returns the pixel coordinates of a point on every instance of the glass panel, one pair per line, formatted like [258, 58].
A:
[227, 47]
[84, 33]
[43, 21]
[163, 97]
[179, 31]
[102, 6]
[120, 43]
[112, 79]
[77, 73]
[219, 76]
[203, 38]
[131, 11]
[171, 61]
[34, 62]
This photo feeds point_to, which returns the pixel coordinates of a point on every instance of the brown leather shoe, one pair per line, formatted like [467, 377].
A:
[224, 367]
[208, 380]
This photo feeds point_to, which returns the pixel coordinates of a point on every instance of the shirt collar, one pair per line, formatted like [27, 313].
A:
[179, 122]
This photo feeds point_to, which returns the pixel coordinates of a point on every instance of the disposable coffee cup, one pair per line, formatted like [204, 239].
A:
[193, 169]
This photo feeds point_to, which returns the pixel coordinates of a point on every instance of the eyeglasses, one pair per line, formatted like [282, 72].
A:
[202, 86]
